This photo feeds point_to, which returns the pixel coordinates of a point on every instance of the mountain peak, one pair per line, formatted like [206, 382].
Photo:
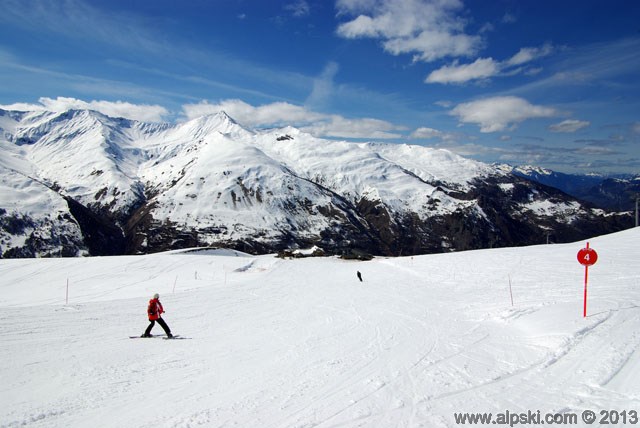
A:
[217, 122]
[530, 169]
[209, 181]
[222, 115]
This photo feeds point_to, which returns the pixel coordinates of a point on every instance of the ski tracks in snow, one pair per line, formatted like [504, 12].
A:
[372, 386]
[558, 370]
[303, 343]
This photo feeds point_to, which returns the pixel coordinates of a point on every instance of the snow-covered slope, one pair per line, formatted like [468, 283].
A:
[400, 176]
[612, 192]
[133, 187]
[300, 343]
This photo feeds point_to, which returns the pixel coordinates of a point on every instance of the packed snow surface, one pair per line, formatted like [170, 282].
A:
[303, 343]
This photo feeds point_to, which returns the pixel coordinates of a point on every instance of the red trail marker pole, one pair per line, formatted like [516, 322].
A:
[586, 257]
[586, 280]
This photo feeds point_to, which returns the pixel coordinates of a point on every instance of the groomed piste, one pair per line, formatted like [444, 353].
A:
[303, 343]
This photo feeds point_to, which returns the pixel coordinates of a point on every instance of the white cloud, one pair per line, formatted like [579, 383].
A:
[525, 55]
[500, 113]
[432, 45]
[341, 127]
[431, 29]
[142, 112]
[284, 114]
[21, 107]
[425, 133]
[569, 125]
[274, 114]
[482, 68]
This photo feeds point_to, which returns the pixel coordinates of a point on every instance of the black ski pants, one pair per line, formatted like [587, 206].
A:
[163, 324]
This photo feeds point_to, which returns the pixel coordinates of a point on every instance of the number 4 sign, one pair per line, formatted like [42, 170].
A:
[587, 257]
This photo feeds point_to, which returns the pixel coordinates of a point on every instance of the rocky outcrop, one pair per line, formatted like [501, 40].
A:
[80, 183]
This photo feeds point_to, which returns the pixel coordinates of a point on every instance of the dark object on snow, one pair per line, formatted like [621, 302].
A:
[155, 311]
[359, 276]
[151, 336]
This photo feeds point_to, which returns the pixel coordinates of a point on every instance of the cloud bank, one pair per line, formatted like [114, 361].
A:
[278, 114]
[490, 114]
[141, 112]
[286, 114]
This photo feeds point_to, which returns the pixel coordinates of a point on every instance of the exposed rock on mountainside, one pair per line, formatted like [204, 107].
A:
[79, 182]
[616, 193]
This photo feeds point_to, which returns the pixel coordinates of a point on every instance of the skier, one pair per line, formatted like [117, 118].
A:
[359, 276]
[155, 311]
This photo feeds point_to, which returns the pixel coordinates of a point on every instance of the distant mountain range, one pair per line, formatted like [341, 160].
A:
[617, 193]
[82, 183]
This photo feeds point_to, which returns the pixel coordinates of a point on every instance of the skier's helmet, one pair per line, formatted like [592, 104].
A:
[156, 296]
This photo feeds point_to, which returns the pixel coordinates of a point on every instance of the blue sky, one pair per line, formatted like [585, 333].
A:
[549, 83]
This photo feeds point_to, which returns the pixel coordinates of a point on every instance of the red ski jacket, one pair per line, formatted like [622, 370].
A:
[155, 309]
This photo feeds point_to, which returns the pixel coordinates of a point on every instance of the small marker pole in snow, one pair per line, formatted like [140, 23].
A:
[510, 290]
[586, 280]
[587, 257]
[66, 300]
[174, 284]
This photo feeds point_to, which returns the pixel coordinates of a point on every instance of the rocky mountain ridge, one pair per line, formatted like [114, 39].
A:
[82, 183]
[613, 192]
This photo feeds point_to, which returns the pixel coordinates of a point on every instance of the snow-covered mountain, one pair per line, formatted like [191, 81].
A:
[610, 192]
[80, 182]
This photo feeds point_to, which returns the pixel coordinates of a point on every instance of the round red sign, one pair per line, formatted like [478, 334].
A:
[587, 256]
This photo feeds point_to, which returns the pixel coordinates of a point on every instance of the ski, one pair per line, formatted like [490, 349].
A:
[159, 336]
